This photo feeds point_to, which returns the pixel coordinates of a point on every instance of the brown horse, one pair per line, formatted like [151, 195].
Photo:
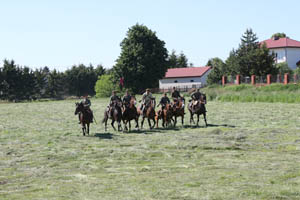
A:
[178, 110]
[198, 108]
[149, 113]
[114, 112]
[164, 114]
[85, 117]
[130, 113]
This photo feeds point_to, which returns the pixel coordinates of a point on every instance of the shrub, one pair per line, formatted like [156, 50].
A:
[104, 86]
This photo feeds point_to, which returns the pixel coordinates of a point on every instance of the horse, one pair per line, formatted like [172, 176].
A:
[164, 114]
[198, 108]
[178, 110]
[130, 113]
[85, 118]
[114, 112]
[149, 113]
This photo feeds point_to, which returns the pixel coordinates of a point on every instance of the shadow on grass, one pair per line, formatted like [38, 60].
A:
[218, 125]
[104, 135]
[208, 125]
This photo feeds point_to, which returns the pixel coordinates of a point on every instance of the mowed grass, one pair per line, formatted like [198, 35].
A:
[249, 151]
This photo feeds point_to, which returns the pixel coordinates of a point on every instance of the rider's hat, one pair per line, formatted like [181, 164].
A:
[147, 89]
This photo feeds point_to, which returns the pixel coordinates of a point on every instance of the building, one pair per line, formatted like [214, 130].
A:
[184, 78]
[285, 49]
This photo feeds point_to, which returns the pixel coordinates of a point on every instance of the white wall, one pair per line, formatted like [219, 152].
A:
[293, 56]
[183, 82]
[281, 54]
[289, 55]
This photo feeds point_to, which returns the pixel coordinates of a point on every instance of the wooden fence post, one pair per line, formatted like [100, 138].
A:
[253, 79]
[224, 80]
[238, 79]
[286, 78]
[268, 79]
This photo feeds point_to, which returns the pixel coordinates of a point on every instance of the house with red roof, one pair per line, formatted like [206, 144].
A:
[190, 77]
[285, 49]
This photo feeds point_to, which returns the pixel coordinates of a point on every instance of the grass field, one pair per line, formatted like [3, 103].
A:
[249, 151]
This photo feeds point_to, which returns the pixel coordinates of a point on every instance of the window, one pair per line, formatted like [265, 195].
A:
[192, 80]
[175, 81]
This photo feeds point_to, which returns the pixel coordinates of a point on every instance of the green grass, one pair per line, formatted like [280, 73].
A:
[249, 151]
[247, 93]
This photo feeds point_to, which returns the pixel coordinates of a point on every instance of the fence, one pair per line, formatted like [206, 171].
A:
[179, 87]
[261, 80]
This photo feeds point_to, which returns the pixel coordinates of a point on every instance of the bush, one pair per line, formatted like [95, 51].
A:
[104, 86]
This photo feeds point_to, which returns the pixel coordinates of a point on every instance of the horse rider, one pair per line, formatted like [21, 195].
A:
[146, 99]
[164, 101]
[87, 104]
[176, 96]
[196, 96]
[113, 99]
[126, 99]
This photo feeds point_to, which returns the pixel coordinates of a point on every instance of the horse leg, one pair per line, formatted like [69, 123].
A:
[182, 119]
[142, 124]
[153, 122]
[120, 126]
[149, 123]
[175, 121]
[125, 125]
[112, 124]
[83, 128]
[192, 118]
[129, 125]
[88, 128]
[197, 120]
[204, 116]
[137, 122]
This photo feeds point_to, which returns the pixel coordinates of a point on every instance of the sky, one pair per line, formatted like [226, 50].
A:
[63, 33]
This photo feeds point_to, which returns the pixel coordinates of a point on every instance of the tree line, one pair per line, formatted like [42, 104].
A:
[19, 83]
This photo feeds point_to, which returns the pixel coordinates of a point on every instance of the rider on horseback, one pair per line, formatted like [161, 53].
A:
[126, 99]
[146, 99]
[113, 99]
[176, 96]
[164, 101]
[196, 97]
[87, 104]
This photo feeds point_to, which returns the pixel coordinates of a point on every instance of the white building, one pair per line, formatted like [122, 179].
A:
[286, 50]
[184, 78]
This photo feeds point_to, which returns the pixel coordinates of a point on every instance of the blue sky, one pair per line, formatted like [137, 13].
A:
[61, 33]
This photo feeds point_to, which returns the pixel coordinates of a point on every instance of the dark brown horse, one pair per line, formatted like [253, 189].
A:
[149, 113]
[130, 113]
[114, 112]
[178, 110]
[164, 114]
[198, 108]
[85, 117]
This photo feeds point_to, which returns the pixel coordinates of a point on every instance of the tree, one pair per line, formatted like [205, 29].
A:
[142, 61]
[81, 79]
[217, 71]
[251, 57]
[283, 68]
[104, 86]
[177, 61]
[278, 35]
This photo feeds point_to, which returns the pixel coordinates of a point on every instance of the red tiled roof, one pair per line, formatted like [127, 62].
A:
[186, 72]
[281, 42]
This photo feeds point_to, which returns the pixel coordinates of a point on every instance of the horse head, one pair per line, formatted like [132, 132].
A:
[79, 108]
